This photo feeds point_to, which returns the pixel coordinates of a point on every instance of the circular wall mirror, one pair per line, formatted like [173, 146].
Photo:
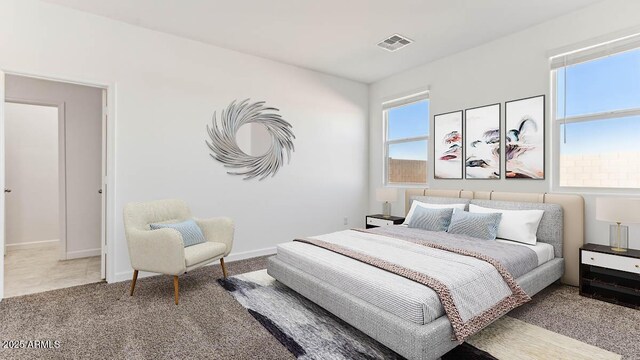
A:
[254, 139]
[250, 137]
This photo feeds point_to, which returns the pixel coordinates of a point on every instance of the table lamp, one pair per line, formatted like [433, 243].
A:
[620, 211]
[386, 195]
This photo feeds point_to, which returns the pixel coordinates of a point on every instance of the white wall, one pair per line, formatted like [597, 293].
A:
[166, 91]
[81, 157]
[31, 148]
[509, 68]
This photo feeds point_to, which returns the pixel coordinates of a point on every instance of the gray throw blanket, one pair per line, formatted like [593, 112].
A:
[518, 260]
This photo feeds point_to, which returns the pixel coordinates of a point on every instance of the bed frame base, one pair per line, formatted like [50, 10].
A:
[413, 341]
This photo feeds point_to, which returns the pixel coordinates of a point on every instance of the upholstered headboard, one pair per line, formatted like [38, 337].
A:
[567, 243]
[551, 226]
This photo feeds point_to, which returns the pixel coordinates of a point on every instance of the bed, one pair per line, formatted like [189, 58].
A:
[404, 314]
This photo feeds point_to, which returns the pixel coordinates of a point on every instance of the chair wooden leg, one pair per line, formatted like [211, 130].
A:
[133, 282]
[224, 269]
[175, 288]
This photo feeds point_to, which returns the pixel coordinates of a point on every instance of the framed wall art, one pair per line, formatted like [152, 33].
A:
[447, 145]
[524, 138]
[482, 142]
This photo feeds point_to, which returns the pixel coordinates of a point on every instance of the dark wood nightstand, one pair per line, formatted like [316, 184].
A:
[377, 220]
[609, 275]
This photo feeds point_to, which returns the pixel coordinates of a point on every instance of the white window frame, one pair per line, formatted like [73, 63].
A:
[386, 106]
[557, 120]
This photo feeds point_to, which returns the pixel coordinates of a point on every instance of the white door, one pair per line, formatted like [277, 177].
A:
[83, 122]
[31, 143]
[103, 189]
[2, 183]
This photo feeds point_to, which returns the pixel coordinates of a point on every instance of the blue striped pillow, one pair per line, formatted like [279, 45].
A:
[430, 219]
[190, 231]
[481, 226]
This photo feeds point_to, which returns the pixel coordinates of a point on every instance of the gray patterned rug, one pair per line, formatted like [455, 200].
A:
[309, 331]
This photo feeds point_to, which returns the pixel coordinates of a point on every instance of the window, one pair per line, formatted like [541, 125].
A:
[406, 140]
[597, 117]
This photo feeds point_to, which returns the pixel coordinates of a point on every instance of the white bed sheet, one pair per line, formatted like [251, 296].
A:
[543, 251]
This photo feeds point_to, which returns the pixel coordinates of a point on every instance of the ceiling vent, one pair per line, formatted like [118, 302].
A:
[394, 42]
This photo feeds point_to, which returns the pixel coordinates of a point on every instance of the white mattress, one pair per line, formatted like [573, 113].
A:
[543, 251]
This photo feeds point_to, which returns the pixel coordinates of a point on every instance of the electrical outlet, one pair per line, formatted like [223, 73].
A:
[346, 221]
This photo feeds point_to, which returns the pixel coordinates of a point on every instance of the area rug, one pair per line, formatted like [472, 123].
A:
[310, 332]
[510, 338]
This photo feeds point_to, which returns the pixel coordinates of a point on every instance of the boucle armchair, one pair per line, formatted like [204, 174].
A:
[162, 251]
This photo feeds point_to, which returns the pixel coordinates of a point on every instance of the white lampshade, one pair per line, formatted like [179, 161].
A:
[618, 209]
[386, 194]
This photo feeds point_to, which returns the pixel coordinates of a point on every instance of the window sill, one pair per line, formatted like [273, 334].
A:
[596, 190]
[407, 186]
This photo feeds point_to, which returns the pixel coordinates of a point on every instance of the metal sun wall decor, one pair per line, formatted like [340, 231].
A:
[225, 149]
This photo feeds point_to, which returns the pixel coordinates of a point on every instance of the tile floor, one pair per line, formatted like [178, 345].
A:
[37, 269]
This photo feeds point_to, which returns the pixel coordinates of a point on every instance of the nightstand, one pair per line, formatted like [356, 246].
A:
[609, 275]
[377, 220]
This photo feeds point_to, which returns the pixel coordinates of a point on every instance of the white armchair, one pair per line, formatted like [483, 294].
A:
[162, 251]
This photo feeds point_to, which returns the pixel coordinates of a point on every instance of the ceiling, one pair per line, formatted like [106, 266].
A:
[338, 37]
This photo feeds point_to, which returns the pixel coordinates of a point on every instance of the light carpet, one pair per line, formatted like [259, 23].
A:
[101, 321]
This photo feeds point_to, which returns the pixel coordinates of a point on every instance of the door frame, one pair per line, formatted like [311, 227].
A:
[62, 166]
[108, 168]
[2, 184]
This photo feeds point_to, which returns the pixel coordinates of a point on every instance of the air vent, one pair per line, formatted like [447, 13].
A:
[394, 42]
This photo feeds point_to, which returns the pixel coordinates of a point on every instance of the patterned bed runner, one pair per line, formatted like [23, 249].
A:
[462, 329]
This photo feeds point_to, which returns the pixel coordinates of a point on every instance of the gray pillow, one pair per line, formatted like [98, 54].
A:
[430, 219]
[190, 231]
[481, 226]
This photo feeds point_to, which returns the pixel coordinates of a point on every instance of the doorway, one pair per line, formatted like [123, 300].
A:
[54, 169]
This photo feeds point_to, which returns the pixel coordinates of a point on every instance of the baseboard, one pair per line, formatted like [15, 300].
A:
[250, 254]
[31, 244]
[83, 253]
[127, 275]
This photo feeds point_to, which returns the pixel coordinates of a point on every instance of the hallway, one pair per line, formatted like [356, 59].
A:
[36, 268]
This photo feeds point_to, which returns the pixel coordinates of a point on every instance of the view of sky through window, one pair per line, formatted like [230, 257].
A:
[601, 136]
[406, 122]
[605, 84]
[415, 150]
[603, 152]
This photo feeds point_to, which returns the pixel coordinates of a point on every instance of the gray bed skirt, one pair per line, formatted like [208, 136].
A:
[413, 341]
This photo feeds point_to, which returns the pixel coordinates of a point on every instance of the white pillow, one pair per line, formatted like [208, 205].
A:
[431, 206]
[516, 225]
